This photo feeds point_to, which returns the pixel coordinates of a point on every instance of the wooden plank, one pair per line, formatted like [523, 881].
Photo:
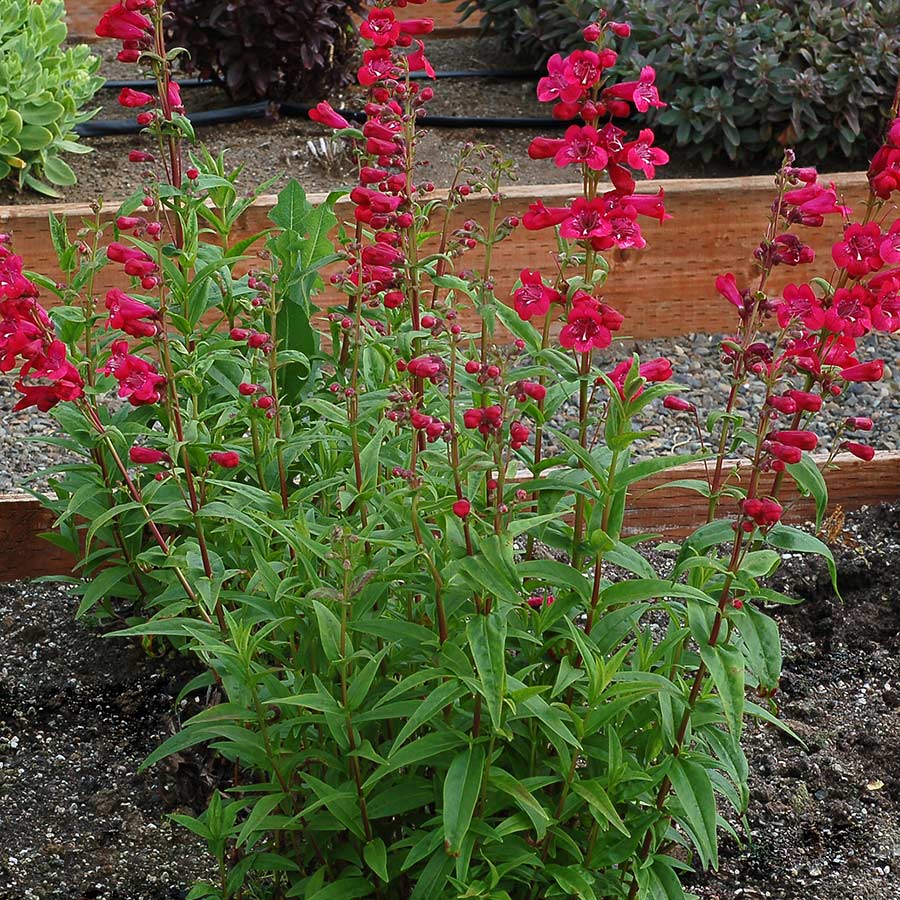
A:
[82, 17]
[665, 290]
[672, 512]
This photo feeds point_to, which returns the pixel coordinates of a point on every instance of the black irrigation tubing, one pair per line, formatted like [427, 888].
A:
[499, 74]
[109, 127]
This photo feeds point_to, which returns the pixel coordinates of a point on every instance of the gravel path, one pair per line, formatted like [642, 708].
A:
[694, 359]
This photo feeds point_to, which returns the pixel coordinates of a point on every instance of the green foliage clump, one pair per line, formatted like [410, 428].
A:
[742, 79]
[43, 89]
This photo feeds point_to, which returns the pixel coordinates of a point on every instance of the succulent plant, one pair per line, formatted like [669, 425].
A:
[43, 89]
[742, 78]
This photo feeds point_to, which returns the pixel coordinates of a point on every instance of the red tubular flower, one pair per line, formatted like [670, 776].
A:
[641, 154]
[67, 386]
[586, 220]
[544, 147]
[551, 86]
[582, 70]
[762, 510]
[582, 145]
[173, 96]
[861, 372]
[129, 314]
[885, 309]
[431, 367]
[418, 62]
[132, 99]
[417, 26]
[377, 66]
[518, 435]
[859, 251]
[726, 285]
[462, 508]
[533, 298]
[806, 401]
[676, 404]
[784, 452]
[650, 205]
[589, 326]
[540, 216]
[884, 172]
[859, 423]
[810, 204]
[799, 302]
[804, 440]
[889, 248]
[325, 115]
[860, 451]
[380, 28]
[146, 456]
[849, 312]
[642, 93]
[140, 156]
[138, 379]
[123, 24]
[227, 459]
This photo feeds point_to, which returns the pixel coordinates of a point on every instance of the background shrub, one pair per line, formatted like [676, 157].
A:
[266, 48]
[741, 78]
[43, 88]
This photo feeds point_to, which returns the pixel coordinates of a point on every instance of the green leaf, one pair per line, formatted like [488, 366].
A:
[639, 589]
[329, 631]
[256, 821]
[761, 644]
[726, 666]
[441, 696]
[375, 855]
[58, 172]
[345, 888]
[525, 800]
[487, 639]
[794, 540]
[292, 208]
[42, 113]
[694, 791]
[811, 482]
[574, 881]
[599, 801]
[461, 788]
[640, 470]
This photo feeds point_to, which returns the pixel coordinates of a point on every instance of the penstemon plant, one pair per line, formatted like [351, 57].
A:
[439, 664]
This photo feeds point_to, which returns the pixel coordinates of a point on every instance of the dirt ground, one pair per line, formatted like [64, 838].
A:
[78, 712]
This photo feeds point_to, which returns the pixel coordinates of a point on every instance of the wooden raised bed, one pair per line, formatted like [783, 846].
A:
[665, 290]
[672, 512]
[83, 16]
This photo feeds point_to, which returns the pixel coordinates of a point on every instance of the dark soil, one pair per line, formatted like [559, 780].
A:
[280, 149]
[79, 712]
[825, 820]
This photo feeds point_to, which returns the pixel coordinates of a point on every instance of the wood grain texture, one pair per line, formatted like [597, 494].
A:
[665, 290]
[672, 512]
